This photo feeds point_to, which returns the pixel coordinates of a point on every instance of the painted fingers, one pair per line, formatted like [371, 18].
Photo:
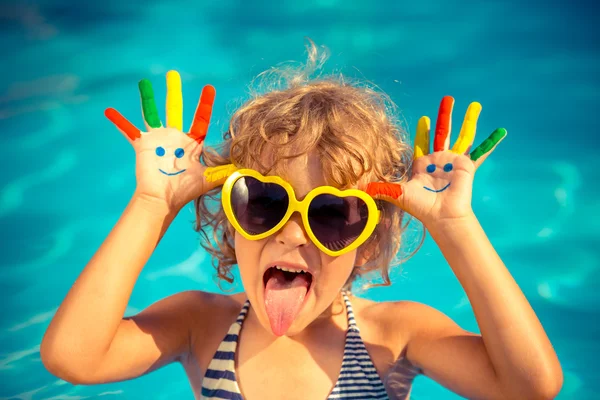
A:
[465, 138]
[174, 101]
[469, 127]
[422, 138]
[487, 146]
[203, 112]
[443, 125]
[127, 128]
[174, 110]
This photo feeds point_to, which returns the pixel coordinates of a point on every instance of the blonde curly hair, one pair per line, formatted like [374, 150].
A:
[351, 126]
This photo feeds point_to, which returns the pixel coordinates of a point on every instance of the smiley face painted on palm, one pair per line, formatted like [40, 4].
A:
[179, 152]
[431, 168]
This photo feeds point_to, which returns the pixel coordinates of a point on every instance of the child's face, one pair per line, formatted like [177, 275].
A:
[292, 245]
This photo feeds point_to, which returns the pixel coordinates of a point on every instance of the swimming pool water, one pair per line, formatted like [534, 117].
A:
[68, 174]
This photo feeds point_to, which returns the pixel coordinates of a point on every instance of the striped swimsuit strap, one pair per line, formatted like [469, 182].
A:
[357, 379]
[220, 381]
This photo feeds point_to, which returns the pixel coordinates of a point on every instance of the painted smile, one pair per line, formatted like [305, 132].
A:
[437, 191]
[171, 173]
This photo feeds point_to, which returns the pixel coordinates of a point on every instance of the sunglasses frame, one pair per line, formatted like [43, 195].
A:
[302, 206]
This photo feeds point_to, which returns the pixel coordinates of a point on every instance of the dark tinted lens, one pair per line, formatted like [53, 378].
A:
[337, 221]
[258, 206]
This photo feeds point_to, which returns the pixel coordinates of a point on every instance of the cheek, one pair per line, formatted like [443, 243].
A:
[248, 253]
[336, 270]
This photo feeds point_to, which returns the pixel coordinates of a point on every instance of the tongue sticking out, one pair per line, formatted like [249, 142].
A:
[284, 298]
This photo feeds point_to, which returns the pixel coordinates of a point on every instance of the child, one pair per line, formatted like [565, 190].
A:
[314, 183]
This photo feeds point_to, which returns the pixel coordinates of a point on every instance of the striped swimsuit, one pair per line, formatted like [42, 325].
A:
[358, 378]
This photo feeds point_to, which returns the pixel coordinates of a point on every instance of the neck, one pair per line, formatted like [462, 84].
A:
[333, 316]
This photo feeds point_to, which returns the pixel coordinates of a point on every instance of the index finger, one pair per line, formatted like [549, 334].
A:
[201, 120]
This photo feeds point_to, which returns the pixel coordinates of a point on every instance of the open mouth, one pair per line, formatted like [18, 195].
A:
[439, 190]
[286, 292]
[171, 173]
[289, 276]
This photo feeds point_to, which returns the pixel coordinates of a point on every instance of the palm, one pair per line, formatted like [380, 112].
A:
[168, 165]
[445, 192]
[441, 184]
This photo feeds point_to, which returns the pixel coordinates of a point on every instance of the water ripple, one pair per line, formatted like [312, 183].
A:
[12, 194]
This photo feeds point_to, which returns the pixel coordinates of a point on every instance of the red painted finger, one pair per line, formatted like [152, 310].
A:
[443, 125]
[202, 116]
[384, 189]
[121, 122]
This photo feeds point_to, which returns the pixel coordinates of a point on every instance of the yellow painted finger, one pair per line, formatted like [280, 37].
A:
[174, 101]
[468, 129]
[422, 137]
[213, 174]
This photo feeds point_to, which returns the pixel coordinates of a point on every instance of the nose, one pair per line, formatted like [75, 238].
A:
[293, 234]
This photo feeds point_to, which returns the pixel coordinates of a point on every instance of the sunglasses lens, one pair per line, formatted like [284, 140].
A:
[337, 221]
[258, 206]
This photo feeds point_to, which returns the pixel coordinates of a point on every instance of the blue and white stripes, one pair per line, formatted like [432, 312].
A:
[219, 381]
[358, 377]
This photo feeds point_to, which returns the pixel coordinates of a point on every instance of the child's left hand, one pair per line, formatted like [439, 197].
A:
[441, 184]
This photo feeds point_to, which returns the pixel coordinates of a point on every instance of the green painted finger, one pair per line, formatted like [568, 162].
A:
[148, 104]
[488, 144]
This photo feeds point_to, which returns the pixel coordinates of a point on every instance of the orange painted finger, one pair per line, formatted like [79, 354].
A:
[443, 125]
[391, 190]
[202, 116]
[121, 122]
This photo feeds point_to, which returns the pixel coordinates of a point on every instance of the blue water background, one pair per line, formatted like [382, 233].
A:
[67, 174]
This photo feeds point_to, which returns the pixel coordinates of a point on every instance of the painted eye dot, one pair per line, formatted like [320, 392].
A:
[160, 151]
[179, 153]
[448, 167]
[431, 168]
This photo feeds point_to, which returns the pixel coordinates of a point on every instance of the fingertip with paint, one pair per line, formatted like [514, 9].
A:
[145, 86]
[173, 80]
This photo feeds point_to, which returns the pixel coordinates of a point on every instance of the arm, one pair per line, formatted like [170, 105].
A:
[513, 357]
[88, 341]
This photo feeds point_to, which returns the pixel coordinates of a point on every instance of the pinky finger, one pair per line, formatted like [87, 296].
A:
[126, 127]
[486, 148]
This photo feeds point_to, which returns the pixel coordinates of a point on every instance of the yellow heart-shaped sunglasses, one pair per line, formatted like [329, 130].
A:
[336, 221]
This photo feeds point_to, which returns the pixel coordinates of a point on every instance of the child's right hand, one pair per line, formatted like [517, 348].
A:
[168, 167]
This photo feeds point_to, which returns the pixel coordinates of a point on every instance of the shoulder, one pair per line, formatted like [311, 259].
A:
[196, 312]
[205, 316]
[200, 306]
[408, 315]
[402, 323]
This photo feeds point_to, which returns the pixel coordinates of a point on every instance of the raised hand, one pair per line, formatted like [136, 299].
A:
[441, 184]
[168, 164]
